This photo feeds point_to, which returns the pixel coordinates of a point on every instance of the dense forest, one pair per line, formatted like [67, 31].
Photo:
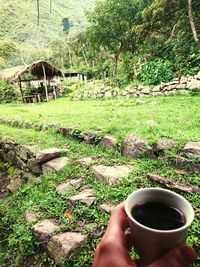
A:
[127, 40]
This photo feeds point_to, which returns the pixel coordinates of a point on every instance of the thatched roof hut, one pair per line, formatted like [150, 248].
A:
[35, 68]
[41, 69]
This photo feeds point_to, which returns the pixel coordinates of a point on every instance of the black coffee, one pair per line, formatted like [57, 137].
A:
[158, 216]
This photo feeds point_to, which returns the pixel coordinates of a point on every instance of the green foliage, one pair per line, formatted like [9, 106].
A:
[18, 19]
[155, 72]
[8, 92]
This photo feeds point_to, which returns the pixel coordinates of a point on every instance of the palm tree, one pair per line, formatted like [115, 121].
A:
[50, 6]
[38, 11]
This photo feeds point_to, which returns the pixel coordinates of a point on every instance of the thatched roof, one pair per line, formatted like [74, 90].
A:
[35, 69]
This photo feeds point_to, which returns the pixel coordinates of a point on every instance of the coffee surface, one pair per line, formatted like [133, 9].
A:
[158, 215]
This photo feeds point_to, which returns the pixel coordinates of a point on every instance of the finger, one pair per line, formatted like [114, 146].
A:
[179, 257]
[118, 218]
[117, 225]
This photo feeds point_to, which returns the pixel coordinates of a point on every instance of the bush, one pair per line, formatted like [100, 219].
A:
[155, 72]
[8, 92]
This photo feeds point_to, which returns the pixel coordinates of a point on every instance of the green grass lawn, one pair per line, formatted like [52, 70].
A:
[177, 117]
[174, 117]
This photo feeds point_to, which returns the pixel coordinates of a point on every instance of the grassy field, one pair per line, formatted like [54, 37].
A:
[176, 117]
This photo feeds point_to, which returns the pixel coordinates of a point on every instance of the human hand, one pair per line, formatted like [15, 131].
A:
[113, 250]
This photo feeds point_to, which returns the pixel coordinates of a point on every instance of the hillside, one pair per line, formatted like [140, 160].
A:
[18, 19]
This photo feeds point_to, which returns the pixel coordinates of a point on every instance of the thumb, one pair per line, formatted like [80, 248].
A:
[181, 256]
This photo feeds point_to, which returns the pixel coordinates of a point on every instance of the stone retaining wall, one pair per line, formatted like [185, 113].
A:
[29, 161]
[179, 86]
[133, 146]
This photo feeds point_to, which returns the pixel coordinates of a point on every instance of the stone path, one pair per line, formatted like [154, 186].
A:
[61, 245]
[111, 174]
[55, 165]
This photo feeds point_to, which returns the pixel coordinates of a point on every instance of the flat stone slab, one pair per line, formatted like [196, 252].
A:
[112, 174]
[86, 196]
[108, 142]
[106, 208]
[47, 154]
[63, 245]
[192, 150]
[55, 165]
[136, 147]
[85, 162]
[31, 216]
[42, 230]
[163, 144]
[64, 187]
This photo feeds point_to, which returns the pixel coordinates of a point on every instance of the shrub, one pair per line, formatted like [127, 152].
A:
[8, 92]
[155, 72]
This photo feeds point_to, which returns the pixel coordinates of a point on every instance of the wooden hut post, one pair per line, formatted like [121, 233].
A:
[20, 87]
[45, 80]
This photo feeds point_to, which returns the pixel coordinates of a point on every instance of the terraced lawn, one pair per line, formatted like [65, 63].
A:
[174, 117]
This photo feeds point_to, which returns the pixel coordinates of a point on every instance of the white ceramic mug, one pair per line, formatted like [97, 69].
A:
[151, 243]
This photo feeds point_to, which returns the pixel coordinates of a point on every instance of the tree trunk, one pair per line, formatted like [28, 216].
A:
[84, 55]
[38, 11]
[192, 24]
[50, 6]
[116, 58]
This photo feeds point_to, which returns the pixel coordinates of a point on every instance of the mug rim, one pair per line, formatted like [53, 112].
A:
[184, 227]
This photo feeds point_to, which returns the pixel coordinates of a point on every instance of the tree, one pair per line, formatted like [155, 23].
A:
[192, 23]
[111, 26]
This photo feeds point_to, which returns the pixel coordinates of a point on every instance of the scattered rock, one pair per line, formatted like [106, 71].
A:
[136, 147]
[192, 150]
[86, 196]
[15, 184]
[30, 216]
[163, 144]
[67, 130]
[89, 137]
[55, 165]
[108, 142]
[47, 154]
[63, 245]
[182, 162]
[64, 187]
[194, 85]
[153, 103]
[42, 230]
[140, 102]
[41, 127]
[85, 162]
[105, 207]
[15, 123]
[155, 94]
[111, 174]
